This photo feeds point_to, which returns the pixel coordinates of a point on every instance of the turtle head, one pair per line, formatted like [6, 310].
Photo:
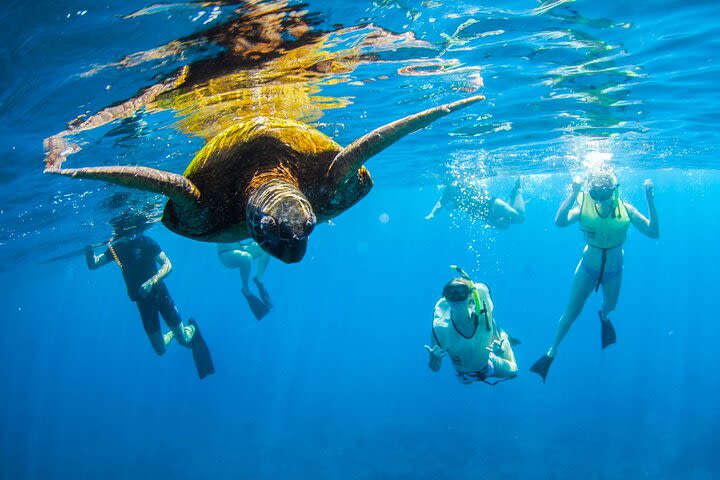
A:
[280, 219]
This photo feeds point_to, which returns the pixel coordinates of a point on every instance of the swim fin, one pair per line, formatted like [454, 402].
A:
[201, 353]
[514, 341]
[257, 306]
[542, 366]
[263, 293]
[607, 332]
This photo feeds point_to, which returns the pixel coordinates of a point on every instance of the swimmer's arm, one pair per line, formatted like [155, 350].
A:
[569, 211]
[434, 361]
[648, 226]
[435, 351]
[165, 268]
[505, 366]
[95, 261]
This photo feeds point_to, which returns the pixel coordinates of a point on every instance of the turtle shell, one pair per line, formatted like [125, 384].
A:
[246, 155]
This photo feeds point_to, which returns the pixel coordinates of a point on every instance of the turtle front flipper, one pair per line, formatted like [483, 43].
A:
[352, 157]
[176, 187]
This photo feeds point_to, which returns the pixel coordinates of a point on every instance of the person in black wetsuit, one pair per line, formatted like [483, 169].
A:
[144, 266]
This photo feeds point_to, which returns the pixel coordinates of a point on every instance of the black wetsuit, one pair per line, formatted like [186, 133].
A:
[136, 255]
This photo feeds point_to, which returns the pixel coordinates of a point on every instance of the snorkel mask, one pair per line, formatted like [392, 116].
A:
[456, 291]
[603, 186]
[460, 289]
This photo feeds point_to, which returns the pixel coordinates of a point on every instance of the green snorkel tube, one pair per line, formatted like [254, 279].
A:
[479, 305]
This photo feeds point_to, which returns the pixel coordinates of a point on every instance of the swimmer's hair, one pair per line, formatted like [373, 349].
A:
[130, 223]
[602, 179]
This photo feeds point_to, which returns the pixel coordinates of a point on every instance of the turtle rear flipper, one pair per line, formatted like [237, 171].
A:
[176, 187]
[352, 157]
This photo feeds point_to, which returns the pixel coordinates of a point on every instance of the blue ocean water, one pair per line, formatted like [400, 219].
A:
[334, 382]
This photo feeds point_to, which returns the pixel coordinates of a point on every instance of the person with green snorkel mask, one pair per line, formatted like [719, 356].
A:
[464, 328]
[604, 220]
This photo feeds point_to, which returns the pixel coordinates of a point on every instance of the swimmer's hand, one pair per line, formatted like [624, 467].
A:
[577, 183]
[430, 217]
[496, 348]
[56, 151]
[146, 287]
[649, 189]
[436, 351]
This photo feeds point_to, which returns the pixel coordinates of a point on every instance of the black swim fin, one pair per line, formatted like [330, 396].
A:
[257, 306]
[514, 341]
[201, 353]
[542, 366]
[263, 293]
[607, 332]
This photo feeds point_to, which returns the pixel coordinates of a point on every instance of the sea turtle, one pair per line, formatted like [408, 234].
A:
[271, 179]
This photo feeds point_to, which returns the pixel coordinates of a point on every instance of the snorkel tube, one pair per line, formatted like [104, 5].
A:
[475, 295]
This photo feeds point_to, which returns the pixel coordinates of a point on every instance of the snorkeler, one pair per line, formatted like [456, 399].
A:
[464, 328]
[240, 255]
[604, 219]
[494, 211]
[144, 266]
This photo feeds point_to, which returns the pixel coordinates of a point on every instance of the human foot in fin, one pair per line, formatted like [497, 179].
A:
[607, 331]
[200, 351]
[263, 293]
[257, 306]
[542, 366]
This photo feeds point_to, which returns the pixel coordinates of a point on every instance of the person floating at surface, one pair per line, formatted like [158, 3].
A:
[464, 328]
[492, 210]
[604, 219]
[240, 255]
[144, 266]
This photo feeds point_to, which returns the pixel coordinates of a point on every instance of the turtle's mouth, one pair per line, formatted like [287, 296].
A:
[289, 251]
[285, 242]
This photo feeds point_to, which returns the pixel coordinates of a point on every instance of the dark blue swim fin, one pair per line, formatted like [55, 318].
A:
[542, 366]
[263, 293]
[201, 353]
[257, 306]
[607, 332]
[513, 341]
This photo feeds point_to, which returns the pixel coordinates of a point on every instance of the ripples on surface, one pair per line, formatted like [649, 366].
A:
[564, 81]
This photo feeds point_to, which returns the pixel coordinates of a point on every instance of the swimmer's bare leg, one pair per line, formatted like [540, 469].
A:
[244, 266]
[516, 199]
[582, 286]
[262, 265]
[611, 293]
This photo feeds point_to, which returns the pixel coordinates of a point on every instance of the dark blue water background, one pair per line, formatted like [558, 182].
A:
[334, 383]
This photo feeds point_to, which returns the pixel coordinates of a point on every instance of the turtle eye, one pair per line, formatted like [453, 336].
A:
[310, 223]
[267, 223]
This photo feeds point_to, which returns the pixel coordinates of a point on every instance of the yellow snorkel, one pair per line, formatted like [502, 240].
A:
[479, 304]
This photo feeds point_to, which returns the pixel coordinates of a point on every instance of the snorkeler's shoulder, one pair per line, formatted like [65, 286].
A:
[442, 313]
